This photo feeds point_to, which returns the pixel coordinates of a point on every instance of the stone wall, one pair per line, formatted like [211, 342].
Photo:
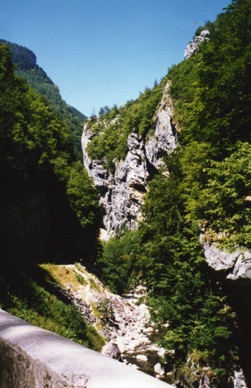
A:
[36, 358]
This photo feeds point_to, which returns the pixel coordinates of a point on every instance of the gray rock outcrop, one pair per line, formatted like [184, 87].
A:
[193, 46]
[164, 140]
[111, 350]
[122, 192]
[234, 266]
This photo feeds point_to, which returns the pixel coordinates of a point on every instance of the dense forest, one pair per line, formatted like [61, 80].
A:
[49, 208]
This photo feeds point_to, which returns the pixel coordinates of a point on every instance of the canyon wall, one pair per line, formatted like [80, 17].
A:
[122, 191]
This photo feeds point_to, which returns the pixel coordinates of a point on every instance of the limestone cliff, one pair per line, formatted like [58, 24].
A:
[193, 46]
[122, 191]
[234, 266]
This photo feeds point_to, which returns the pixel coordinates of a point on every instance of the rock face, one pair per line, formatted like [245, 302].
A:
[165, 139]
[122, 192]
[193, 46]
[235, 266]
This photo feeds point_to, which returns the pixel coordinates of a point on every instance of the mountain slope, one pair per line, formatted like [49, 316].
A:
[27, 67]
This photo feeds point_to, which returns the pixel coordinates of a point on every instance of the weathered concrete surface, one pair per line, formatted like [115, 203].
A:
[36, 358]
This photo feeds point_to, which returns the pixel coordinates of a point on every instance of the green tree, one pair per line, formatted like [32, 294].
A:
[83, 196]
[38, 171]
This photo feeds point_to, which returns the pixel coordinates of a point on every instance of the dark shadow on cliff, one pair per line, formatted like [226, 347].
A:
[38, 225]
[241, 301]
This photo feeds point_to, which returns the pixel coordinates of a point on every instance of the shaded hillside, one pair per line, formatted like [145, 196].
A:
[30, 295]
[27, 67]
[49, 208]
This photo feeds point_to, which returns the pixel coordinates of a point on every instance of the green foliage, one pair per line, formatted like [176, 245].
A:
[106, 310]
[83, 196]
[80, 279]
[118, 265]
[211, 93]
[112, 128]
[43, 85]
[27, 68]
[224, 202]
[30, 301]
[37, 156]
[212, 88]
[30, 132]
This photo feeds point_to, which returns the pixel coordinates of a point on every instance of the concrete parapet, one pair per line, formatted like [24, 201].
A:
[36, 358]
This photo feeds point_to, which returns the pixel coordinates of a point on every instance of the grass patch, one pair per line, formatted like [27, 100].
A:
[61, 274]
[95, 285]
[81, 280]
[27, 299]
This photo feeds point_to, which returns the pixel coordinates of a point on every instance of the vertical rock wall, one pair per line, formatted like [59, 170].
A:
[122, 192]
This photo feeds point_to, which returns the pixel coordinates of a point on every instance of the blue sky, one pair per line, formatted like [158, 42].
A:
[104, 52]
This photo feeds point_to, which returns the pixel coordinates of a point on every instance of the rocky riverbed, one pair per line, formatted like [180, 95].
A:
[124, 322]
[131, 339]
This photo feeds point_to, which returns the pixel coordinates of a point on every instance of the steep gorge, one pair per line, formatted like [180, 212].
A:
[200, 288]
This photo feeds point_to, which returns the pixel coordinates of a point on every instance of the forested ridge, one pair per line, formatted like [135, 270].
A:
[26, 66]
[206, 193]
